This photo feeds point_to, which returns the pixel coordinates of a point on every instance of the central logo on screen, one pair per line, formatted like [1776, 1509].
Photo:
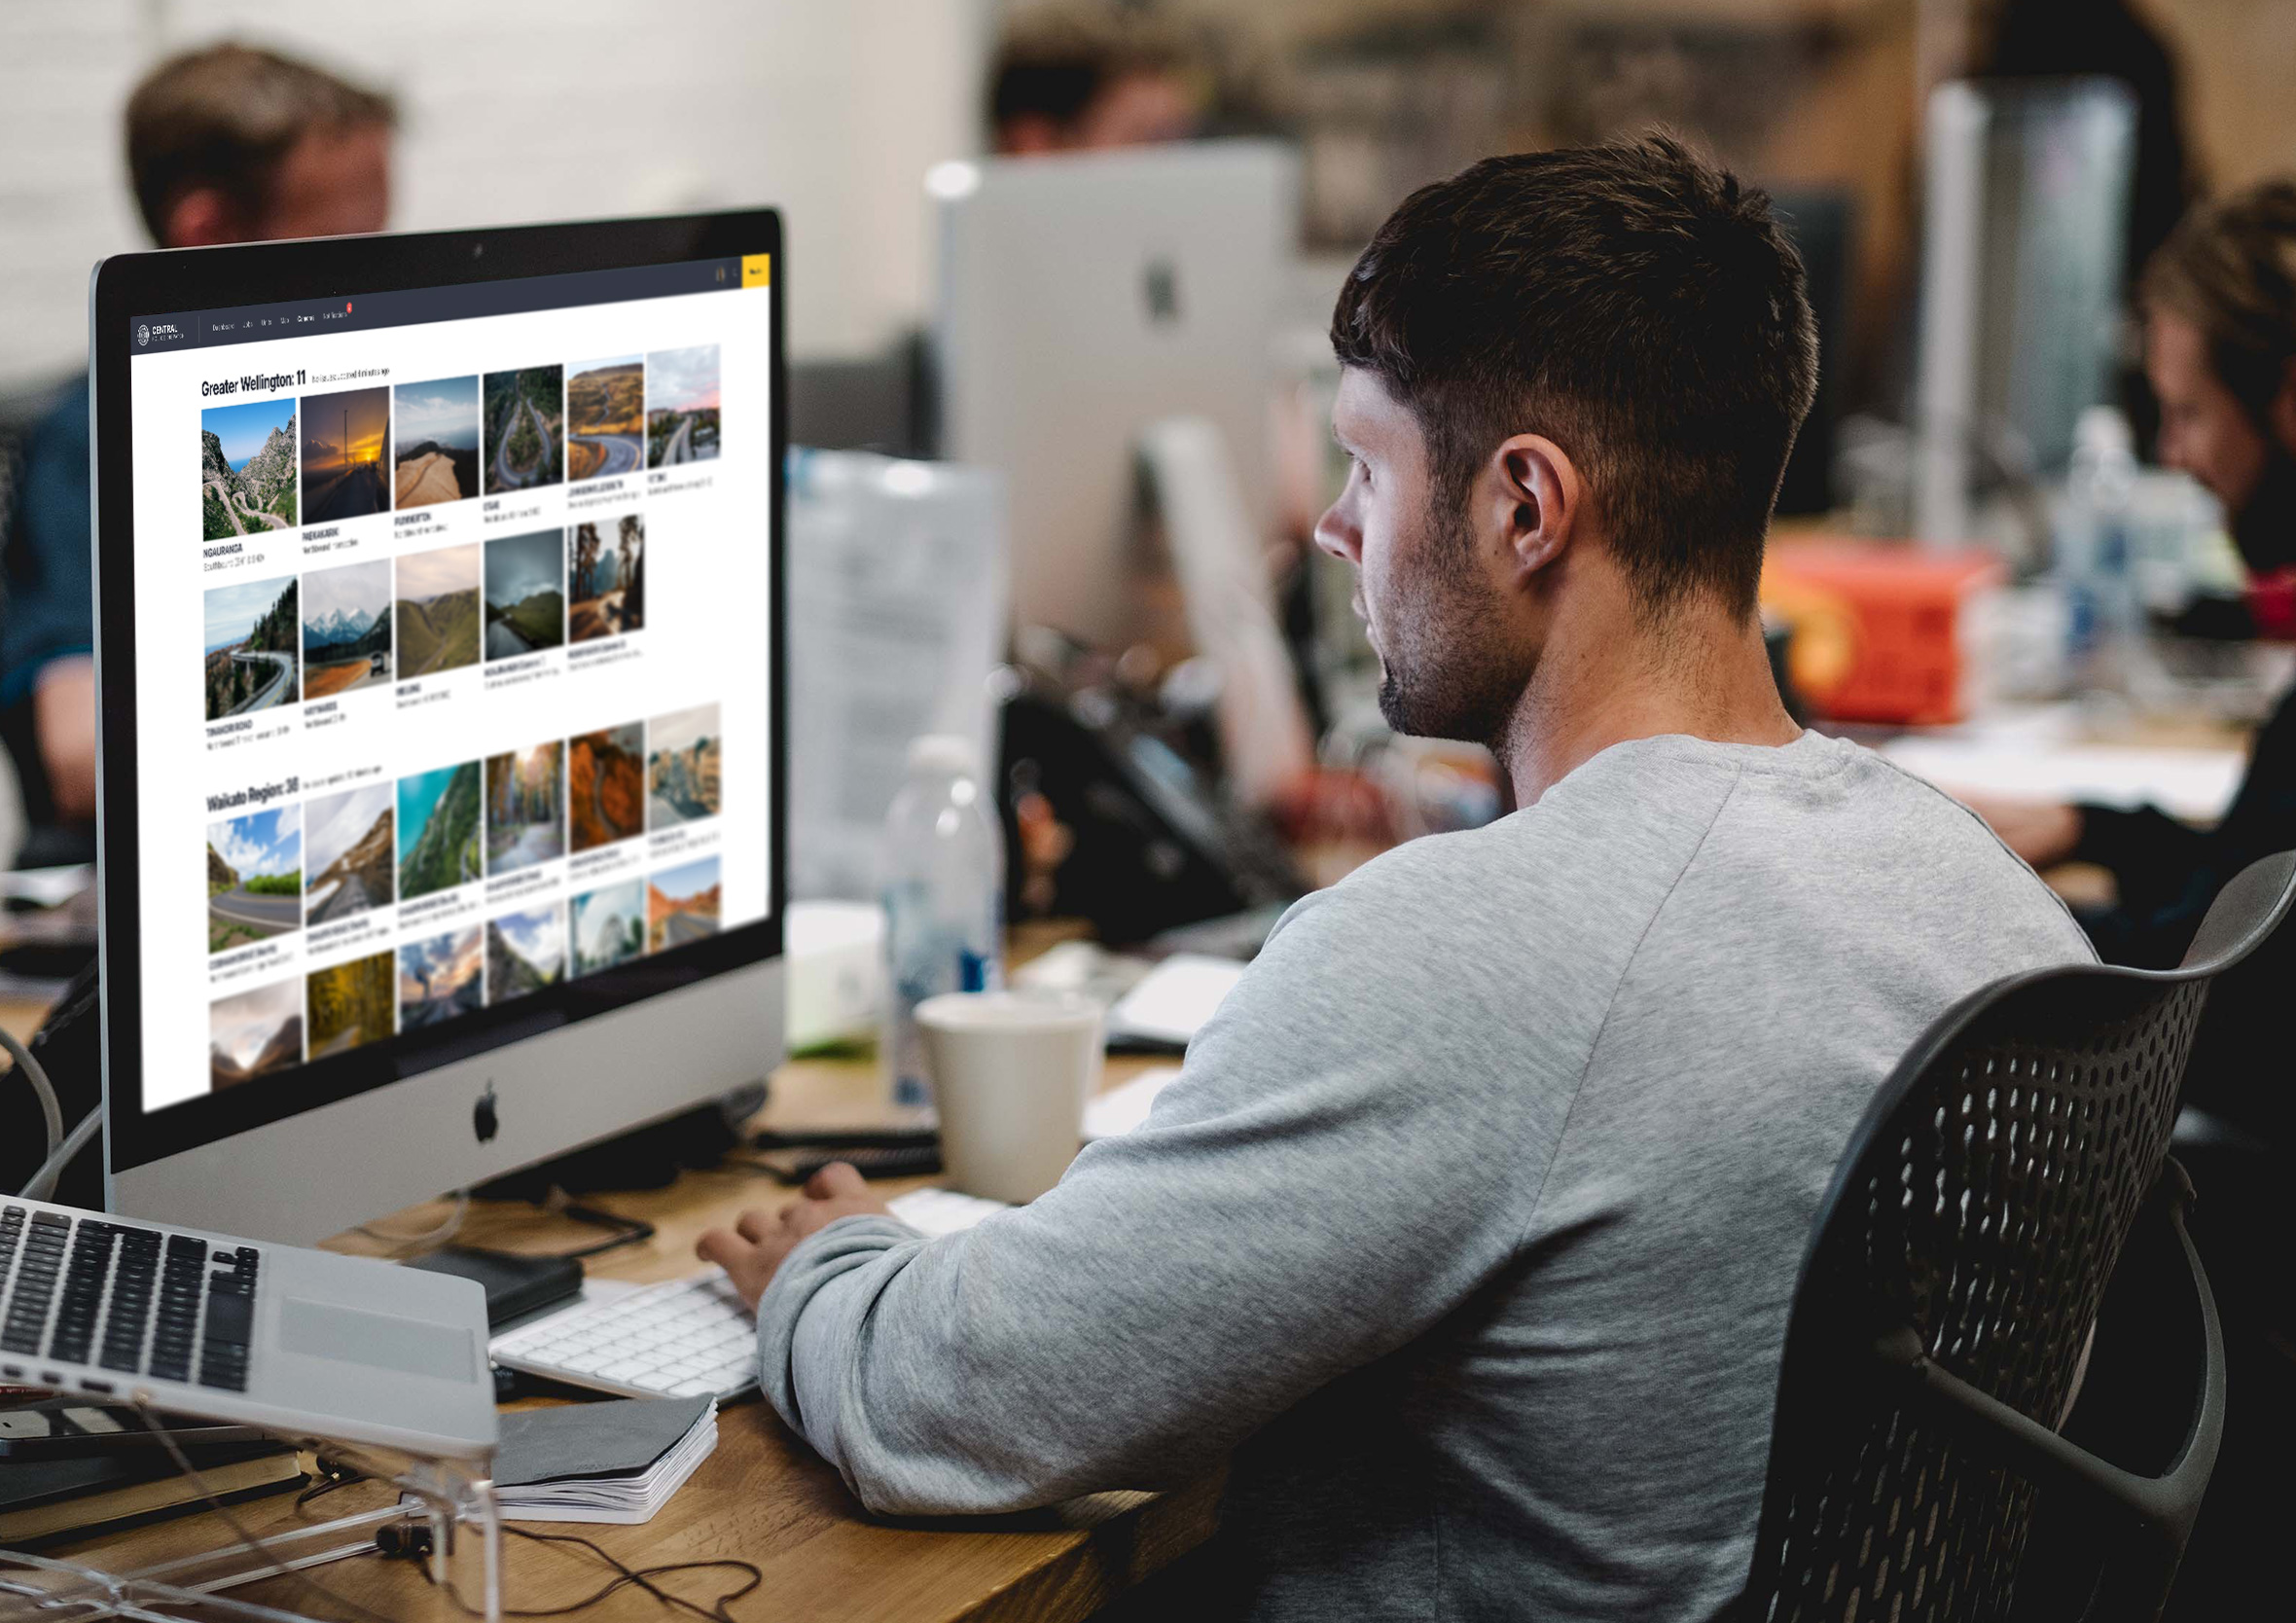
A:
[482, 1119]
[143, 334]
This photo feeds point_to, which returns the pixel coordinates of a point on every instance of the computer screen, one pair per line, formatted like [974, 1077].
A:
[451, 710]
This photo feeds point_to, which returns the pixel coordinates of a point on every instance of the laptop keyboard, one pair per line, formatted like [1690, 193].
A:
[125, 1298]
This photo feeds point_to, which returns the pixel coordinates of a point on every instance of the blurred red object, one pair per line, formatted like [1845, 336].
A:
[1883, 632]
[2272, 604]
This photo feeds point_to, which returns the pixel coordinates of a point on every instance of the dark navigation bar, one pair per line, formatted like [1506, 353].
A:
[355, 312]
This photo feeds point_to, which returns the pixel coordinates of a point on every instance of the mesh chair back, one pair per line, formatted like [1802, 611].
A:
[1984, 1203]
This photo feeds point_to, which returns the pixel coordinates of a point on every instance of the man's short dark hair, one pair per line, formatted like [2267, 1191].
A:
[2229, 267]
[1055, 59]
[1632, 303]
[223, 116]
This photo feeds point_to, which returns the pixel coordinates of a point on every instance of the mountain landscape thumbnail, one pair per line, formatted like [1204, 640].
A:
[682, 905]
[254, 1033]
[525, 593]
[524, 442]
[346, 628]
[348, 853]
[606, 787]
[681, 406]
[346, 445]
[526, 952]
[438, 610]
[437, 428]
[254, 876]
[441, 978]
[682, 770]
[247, 468]
[609, 927]
[350, 1005]
[606, 578]
[440, 839]
[253, 643]
[605, 418]
[525, 807]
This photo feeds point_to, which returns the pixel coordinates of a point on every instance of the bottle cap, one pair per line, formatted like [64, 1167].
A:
[944, 753]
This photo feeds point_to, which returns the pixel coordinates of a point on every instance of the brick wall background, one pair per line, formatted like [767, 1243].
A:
[521, 110]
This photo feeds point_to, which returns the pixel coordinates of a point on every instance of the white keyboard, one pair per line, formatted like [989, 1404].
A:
[934, 1212]
[682, 1339]
[690, 1335]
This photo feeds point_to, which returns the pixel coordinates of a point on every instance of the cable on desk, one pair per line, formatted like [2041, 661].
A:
[630, 1231]
[333, 1474]
[628, 1577]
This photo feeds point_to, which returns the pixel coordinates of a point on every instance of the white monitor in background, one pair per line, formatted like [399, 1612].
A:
[1082, 298]
[2027, 197]
[440, 656]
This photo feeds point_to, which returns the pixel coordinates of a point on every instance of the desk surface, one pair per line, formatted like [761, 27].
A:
[764, 1496]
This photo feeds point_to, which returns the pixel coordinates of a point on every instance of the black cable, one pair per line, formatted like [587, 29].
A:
[632, 1231]
[333, 1474]
[628, 1576]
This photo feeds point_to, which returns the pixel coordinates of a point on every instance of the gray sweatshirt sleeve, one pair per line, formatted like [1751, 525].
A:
[1317, 1188]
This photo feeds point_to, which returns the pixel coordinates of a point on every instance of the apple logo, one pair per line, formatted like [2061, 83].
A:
[482, 1119]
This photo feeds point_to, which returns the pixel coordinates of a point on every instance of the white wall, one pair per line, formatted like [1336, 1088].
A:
[522, 109]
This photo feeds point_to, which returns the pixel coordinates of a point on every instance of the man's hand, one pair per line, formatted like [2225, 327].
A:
[2042, 832]
[752, 1250]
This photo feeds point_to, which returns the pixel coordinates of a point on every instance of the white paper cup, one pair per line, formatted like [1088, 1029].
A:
[1010, 1072]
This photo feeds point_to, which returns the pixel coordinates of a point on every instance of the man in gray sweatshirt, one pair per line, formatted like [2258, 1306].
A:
[1470, 1228]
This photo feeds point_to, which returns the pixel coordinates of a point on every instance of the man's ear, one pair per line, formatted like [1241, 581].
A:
[201, 218]
[1539, 497]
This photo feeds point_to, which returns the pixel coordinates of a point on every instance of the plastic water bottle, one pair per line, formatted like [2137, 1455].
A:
[2093, 533]
[944, 899]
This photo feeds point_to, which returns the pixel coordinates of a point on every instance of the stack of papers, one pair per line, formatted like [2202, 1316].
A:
[613, 1461]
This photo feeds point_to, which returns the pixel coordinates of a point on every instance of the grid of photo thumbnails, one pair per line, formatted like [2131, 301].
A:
[323, 861]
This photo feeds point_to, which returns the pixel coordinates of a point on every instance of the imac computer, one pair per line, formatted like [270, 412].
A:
[439, 650]
[1083, 297]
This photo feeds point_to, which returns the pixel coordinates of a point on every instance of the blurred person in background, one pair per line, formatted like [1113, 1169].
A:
[1078, 78]
[226, 143]
[2219, 303]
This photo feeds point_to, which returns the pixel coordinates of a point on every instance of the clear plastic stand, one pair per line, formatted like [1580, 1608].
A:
[455, 1506]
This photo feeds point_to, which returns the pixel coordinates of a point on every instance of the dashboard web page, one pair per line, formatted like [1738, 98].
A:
[452, 645]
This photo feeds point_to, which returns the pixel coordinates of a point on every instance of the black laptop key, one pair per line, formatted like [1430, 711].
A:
[27, 1311]
[83, 1294]
[231, 1316]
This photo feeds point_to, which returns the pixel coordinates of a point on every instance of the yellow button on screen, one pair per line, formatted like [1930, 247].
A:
[757, 269]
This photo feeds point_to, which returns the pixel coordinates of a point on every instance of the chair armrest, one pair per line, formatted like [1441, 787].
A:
[2164, 1506]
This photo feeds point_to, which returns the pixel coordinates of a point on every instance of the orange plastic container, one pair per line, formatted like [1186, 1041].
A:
[1883, 631]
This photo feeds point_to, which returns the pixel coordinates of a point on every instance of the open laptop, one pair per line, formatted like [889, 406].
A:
[300, 1343]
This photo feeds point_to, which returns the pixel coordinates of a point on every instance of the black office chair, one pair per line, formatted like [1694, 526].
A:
[1952, 1282]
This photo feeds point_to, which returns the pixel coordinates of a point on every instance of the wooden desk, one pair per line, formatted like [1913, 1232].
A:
[764, 1496]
